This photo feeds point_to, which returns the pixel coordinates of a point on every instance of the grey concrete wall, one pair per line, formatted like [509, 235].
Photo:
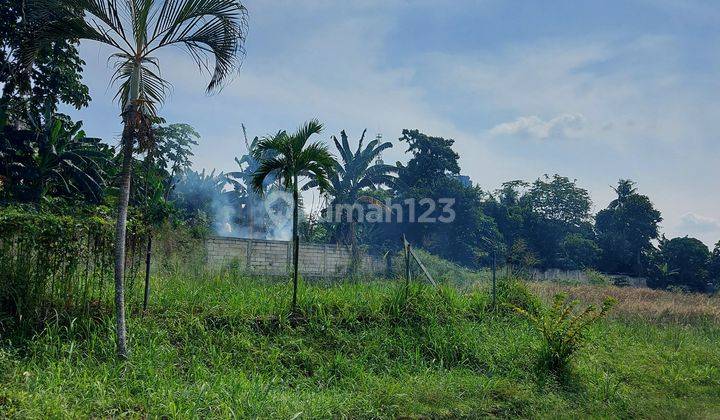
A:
[582, 277]
[275, 257]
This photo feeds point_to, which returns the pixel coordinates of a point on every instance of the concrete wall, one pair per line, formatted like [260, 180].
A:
[275, 257]
[582, 277]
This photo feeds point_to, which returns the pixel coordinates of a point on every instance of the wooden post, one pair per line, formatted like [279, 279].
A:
[406, 245]
[248, 255]
[494, 268]
[324, 267]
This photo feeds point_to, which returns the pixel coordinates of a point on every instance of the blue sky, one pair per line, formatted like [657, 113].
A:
[594, 90]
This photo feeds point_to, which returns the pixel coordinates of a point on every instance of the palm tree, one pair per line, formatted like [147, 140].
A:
[357, 172]
[293, 158]
[211, 31]
[625, 189]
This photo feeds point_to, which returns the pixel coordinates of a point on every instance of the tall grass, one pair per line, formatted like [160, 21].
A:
[221, 345]
[641, 304]
[50, 264]
[54, 266]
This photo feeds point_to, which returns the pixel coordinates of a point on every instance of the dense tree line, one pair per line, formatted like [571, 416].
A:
[542, 224]
[546, 223]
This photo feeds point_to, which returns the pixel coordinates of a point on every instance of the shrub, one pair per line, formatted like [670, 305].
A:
[513, 293]
[50, 261]
[597, 278]
[563, 330]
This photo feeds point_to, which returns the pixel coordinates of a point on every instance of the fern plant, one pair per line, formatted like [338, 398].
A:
[563, 329]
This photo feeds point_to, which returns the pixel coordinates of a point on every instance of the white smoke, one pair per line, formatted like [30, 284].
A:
[269, 217]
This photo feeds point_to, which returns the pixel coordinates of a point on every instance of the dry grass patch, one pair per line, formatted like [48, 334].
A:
[640, 303]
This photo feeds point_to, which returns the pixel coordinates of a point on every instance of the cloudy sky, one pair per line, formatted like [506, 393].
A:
[594, 90]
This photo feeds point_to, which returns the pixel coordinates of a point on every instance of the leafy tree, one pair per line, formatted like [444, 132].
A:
[683, 262]
[293, 158]
[520, 256]
[714, 265]
[578, 252]
[554, 208]
[173, 148]
[560, 199]
[469, 238]
[433, 158]
[54, 76]
[506, 207]
[212, 31]
[625, 230]
[167, 157]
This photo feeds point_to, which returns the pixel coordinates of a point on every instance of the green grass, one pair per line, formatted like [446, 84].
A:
[221, 346]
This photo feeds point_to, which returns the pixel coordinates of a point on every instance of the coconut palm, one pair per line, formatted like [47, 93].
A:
[625, 189]
[293, 158]
[211, 31]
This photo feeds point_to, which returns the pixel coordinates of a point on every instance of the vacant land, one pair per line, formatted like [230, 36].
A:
[222, 345]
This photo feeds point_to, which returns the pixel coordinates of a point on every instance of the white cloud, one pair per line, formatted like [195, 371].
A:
[694, 223]
[565, 125]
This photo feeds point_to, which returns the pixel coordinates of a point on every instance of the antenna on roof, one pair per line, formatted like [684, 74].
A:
[379, 160]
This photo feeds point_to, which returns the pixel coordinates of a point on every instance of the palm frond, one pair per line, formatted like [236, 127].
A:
[316, 153]
[319, 175]
[303, 134]
[152, 88]
[267, 167]
[277, 144]
[139, 18]
[360, 142]
[211, 30]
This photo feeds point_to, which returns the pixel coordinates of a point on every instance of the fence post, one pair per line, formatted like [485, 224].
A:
[406, 245]
[248, 256]
[494, 269]
[324, 267]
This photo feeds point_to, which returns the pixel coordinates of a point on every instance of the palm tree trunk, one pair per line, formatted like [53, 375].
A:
[120, 231]
[131, 116]
[296, 243]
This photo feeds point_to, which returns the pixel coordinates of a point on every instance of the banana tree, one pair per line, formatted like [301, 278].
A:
[54, 158]
[357, 171]
[242, 191]
[212, 32]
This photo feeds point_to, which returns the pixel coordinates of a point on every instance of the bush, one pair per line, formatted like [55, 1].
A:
[597, 278]
[443, 271]
[563, 330]
[513, 293]
[50, 261]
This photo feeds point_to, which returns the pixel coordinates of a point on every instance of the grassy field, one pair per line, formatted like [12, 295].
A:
[223, 346]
